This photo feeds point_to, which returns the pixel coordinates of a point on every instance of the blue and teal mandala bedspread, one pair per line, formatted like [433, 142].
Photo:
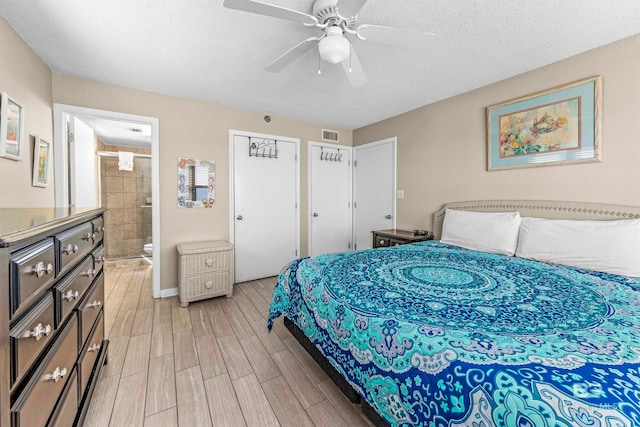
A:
[436, 335]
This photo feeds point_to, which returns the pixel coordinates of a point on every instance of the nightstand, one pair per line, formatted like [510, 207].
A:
[394, 237]
[206, 270]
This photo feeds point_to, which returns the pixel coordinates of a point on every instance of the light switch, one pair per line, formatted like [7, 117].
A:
[399, 194]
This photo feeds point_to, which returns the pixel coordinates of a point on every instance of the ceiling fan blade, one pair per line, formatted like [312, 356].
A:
[354, 70]
[395, 36]
[349, 8]
[271, 10]
[292, 54]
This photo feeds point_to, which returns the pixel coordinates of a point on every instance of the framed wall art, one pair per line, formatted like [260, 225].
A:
[558, 126]
[41, 161]
[11, 127]
[196, 183]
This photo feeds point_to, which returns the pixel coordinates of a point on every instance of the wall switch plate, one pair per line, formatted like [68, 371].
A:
[399, 194]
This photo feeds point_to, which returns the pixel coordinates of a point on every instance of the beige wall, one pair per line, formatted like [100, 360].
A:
[27, 80]
[442, 146]
[197, 130]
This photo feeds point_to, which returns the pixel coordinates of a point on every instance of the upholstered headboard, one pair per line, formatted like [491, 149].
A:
[540, 209]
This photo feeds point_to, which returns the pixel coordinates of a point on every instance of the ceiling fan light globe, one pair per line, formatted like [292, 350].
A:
[334, 48]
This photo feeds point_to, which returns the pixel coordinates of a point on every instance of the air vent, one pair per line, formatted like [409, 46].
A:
[329, 135]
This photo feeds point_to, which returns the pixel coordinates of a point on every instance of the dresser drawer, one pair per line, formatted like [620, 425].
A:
[98, 257]
[207, 262]
[90, 352]
[37, 400]
[65, 412]
[98, 228]
[90, 308]
[31, 270]
[29, 337]
[73, 244]
[72, 288]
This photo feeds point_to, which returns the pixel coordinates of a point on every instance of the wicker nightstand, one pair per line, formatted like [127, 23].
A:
[206, 270]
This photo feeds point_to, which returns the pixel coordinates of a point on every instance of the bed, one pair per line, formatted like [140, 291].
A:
[432, 334]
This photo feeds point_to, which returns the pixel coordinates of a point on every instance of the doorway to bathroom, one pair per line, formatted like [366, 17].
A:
[111, 160]
[124, 188]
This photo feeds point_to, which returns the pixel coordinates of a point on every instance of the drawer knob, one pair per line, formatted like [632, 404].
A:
[94, 304]
[89, 273]
[94, 347]
[100, 259]
[208, 284]
[57, 374]
[69, 249]
[209, 262]
[89, 236]
[382, 242]
[99, 228]
[38, 332]
[71, 295]
[40, 269]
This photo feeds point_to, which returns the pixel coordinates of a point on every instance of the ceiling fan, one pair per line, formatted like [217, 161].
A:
[337, 21]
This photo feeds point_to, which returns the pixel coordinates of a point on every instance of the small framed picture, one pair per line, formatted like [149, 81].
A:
[41, 161]
[11, 128]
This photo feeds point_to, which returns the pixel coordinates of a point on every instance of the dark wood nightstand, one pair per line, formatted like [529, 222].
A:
[394, 237]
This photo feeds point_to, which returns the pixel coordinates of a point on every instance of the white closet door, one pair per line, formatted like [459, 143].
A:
[265, 214]
[374, 190]
[329, 199]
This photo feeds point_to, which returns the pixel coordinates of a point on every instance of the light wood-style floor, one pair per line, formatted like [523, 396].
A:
[211, 364]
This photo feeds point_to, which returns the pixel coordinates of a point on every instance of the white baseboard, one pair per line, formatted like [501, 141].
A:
[166, 293]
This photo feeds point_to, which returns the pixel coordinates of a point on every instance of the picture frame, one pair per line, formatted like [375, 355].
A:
[558, 126]
[196, 183]
[11, 127]
[41, 162]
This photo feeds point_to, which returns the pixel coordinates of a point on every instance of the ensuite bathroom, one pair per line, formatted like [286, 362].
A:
[127, 196]
[110, 167]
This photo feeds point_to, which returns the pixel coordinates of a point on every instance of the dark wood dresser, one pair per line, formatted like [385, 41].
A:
[52, 344]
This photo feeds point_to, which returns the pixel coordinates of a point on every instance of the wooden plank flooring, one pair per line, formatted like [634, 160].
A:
[211, 364]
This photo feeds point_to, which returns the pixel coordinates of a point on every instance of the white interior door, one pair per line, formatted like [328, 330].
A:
[83, 184]
[329, 198]
[374, 189]
[265, 219]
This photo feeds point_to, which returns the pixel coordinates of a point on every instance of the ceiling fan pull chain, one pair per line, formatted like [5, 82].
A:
[350, 57]
[319, 72]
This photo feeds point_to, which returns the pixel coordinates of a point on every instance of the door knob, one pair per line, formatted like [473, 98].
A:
[315, 214]
[239, 217]
[388, 217]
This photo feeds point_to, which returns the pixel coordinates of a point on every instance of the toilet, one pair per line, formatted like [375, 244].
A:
[148, 248]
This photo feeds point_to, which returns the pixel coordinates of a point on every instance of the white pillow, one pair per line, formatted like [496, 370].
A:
[488, 232]
[609, 246]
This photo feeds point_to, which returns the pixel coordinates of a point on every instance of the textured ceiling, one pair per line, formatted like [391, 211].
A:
[201, 50]
[118, 132]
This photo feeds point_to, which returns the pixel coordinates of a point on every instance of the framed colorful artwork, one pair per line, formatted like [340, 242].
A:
[41, 155]
[196, 183]
[11, 127]
[554, 127]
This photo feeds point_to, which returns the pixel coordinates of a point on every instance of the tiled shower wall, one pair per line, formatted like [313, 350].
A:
[127, 196]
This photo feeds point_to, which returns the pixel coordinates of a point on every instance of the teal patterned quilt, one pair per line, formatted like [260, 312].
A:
[435, 335]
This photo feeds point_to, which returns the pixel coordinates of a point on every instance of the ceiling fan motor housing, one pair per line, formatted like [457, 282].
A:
[325, 11]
